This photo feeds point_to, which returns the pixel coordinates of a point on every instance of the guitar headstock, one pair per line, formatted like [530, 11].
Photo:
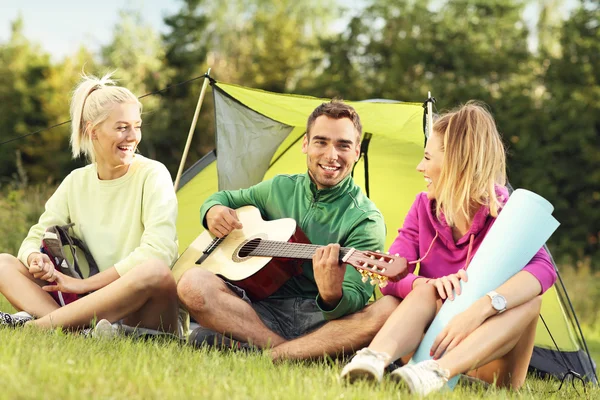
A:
[377, 267]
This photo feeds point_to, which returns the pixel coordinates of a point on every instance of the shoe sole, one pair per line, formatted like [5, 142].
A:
[358, 374]
[402, 379]
[105, 330]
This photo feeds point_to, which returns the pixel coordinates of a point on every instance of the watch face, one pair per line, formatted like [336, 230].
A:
[498, 303]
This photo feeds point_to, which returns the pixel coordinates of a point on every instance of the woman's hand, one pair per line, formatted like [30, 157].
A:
[459, 327]
[66, 284]
[446, 284]
[41, 267]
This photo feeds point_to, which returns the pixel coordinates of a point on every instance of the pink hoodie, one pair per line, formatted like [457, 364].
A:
[445, 256]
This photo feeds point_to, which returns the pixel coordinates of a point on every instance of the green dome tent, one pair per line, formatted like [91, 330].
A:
[259, 134]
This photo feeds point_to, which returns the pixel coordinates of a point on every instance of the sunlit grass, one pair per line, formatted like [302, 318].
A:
[35, 364]
[38, 364]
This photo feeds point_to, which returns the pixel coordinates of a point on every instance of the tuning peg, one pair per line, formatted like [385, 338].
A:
[387, 252]
[383, 283]
[372, 257]
[365, 276]
[374, 281]
[376, 251]
[397, 255]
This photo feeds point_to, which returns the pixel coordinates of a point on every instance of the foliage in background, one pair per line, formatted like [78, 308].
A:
[569, 135]
[546, 100]
[27, 96]
[137, 54]
[20, 208]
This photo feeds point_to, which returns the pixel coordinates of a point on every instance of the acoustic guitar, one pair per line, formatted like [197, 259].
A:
[263, 255]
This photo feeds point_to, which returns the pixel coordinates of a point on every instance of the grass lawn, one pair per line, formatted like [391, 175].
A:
[35, 364]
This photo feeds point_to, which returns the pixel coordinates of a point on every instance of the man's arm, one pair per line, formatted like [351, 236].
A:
[256, 195]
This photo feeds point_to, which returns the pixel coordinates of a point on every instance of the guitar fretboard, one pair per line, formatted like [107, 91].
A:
[272, 248]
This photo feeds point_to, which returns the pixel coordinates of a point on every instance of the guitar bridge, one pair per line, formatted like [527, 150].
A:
[211, 247]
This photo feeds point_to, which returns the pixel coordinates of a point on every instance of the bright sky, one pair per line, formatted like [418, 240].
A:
[62, 26]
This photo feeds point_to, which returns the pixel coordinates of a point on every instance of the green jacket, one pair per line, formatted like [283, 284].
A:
[342, 214]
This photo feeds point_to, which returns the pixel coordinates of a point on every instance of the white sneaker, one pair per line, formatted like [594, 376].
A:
[422, 378]
[105, 330]
[366, 364]
[14, 320]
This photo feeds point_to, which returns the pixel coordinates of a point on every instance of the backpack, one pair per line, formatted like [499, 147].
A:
[56, 240]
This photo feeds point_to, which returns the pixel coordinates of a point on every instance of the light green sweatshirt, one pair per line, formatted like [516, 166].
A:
[124, 221]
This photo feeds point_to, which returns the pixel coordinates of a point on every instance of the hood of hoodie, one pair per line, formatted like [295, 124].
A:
[481, 223]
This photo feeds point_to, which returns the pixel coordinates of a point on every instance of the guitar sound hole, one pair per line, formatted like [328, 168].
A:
[249, 247]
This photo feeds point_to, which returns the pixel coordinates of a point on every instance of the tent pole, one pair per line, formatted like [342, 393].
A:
[192, 129]
[429, 116]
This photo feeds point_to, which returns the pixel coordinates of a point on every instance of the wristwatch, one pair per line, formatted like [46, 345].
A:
[498, 301]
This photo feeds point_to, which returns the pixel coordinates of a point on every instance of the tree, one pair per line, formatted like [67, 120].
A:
[570, 141]
[27, 96]
[137, 54]
[266, 44]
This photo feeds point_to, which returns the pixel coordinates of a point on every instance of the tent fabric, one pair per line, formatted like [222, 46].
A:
[545, 362]
[259, 135]
[196, 184]
[249, 144]
[572, 352]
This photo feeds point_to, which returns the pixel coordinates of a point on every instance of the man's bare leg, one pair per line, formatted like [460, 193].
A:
[216, 307]
[344, 335]
[147, 292]
[22, 290]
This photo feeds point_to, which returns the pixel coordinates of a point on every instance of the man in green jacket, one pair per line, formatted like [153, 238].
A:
[322, 310]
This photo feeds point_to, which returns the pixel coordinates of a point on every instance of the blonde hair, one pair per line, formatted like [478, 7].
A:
[474, 163]
[91, 103]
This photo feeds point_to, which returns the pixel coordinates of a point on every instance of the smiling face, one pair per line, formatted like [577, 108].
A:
[116, 139]
[431, 164]
[331, 147]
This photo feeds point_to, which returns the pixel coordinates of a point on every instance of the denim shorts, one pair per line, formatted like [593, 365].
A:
[289, 318]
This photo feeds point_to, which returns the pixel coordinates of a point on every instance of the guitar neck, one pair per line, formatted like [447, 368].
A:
[272, 248]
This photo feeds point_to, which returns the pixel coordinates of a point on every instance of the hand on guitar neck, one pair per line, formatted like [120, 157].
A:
[329, 274]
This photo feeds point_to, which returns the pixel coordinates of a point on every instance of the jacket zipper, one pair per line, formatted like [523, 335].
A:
[314, 201]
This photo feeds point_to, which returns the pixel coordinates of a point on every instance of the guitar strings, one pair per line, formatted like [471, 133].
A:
[285, 249]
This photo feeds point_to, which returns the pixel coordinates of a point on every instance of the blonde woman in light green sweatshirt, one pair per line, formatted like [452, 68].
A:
[123, 207]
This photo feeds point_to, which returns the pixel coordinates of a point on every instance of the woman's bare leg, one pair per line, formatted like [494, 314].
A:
[146, 297]
[403, 331]
[22, 290]
[499, 350]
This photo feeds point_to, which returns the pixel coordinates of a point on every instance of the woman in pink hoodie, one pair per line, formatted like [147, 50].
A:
[465, 171]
